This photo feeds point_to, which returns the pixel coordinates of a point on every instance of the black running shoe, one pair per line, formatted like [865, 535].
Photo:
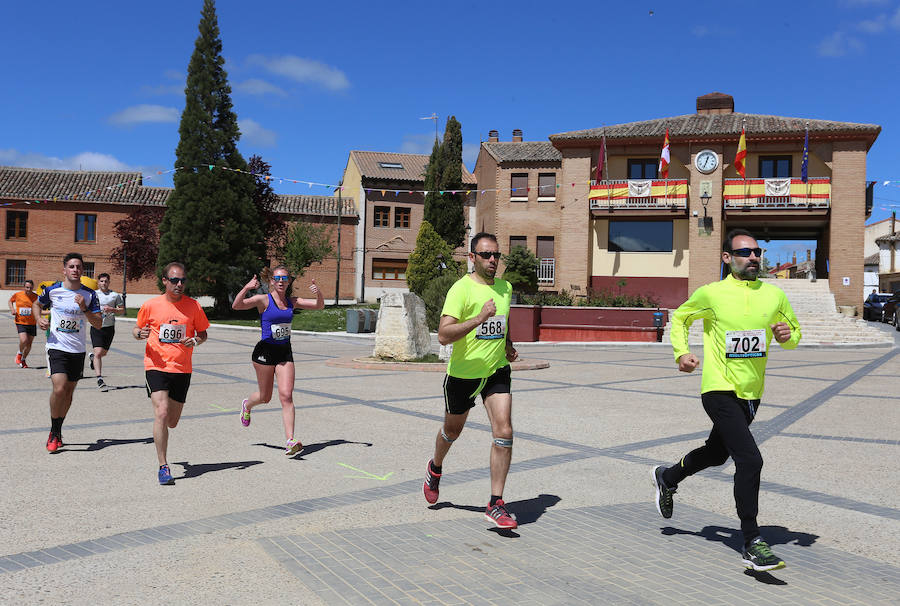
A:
[92, 361]
[758, 556]
[664, 503]
[101, 384]
[430, 487]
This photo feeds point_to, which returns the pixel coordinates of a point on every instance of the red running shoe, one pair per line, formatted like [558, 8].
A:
[499, 515]
[19, 360]
[23, 364]
[430, 487]
[53, 443]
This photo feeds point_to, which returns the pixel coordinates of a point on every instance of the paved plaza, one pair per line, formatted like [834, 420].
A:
[345, 522]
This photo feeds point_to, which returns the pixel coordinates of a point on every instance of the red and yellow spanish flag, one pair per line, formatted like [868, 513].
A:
[663, 171]
[740, 159]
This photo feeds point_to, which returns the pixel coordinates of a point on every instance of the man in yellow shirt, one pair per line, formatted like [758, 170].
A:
[740, 317]
[474, 319]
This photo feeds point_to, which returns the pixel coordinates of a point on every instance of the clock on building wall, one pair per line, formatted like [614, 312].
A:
[706, 161]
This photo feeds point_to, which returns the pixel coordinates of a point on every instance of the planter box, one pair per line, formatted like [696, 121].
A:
[570, 332]
[601, 316]
[523, 322]
[535, 323]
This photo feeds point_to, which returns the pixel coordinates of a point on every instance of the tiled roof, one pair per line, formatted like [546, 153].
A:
[524, 151]
[894, 237]
[413, 166]
[314, 205]
[45, 184]
[717, 125]
[872, 259]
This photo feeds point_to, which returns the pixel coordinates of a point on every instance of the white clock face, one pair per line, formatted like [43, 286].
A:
[706, 161]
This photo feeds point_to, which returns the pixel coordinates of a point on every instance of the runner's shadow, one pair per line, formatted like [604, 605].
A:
[526, 511]
[193, 471]
[118, 387]
[315, 447]
[103, 443]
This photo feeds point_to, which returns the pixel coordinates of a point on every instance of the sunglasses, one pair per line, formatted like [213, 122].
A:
[746, 252]
[488, 255]
[176, 280]
[281, 278]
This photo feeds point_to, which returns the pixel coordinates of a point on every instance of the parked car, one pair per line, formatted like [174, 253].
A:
[874, 305]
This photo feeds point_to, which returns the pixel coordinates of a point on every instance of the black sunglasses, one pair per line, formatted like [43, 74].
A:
[746, 252]
[488, 255]
[176, 280]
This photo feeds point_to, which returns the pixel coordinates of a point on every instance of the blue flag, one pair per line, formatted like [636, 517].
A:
[804, 166]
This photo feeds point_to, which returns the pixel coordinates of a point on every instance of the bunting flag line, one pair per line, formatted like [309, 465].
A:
[740, 159]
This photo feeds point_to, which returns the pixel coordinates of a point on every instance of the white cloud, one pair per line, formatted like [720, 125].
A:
[138, 114]
[253, 132]
[163, 89]
[417, 144]
[839, 44]
[255, 86]
[174, 74]
[83, 161]
[303, 70]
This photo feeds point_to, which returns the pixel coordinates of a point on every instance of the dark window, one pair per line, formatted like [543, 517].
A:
[774, 167]
[388, 269]
[640, 236]
[519, 183]
[547, 185]
[88, 269]
[382, 216]
[15, 271]
[517, 241]
[85, 228]
[642, 168]
[545, 247]
[16, 224]
[401, 217]
[395, 165]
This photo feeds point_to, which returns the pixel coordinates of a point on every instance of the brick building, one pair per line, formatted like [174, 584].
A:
[391, 207]
[48, 213]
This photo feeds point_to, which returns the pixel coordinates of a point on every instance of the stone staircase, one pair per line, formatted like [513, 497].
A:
[820, 322]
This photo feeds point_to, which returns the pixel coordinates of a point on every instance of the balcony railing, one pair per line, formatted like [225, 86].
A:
[639, 194]
[547, 272]
[777, 193]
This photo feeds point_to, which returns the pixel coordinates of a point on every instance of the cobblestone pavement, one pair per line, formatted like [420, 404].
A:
[344, 522]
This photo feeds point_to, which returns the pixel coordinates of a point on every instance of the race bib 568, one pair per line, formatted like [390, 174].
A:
[492, 328]
[745, 343]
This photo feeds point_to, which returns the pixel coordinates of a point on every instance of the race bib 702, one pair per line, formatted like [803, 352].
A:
[745, 343]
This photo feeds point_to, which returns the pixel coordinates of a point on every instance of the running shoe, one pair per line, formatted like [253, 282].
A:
[499, 515]
[430, 487]
[92, 361]
[293, 447]
[53, 443]
[664, 502]
[101, 384]
[245, 414]
[165, 476]
[23, 364]
[19, 360]
[758, 556]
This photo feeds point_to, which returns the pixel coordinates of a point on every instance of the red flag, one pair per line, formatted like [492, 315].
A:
[600, 160]
[740, 159]
[663, 171]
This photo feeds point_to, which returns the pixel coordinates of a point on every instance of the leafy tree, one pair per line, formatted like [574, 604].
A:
[265, 200]
[434, 295]
[443, 175]
[141, 230]
[431, 259]
[306, 244]
[211, 223]
[521, 269]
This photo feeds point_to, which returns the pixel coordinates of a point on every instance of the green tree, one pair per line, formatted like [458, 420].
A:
[274, 227]
[431, 259]
[306, 244]
[521, 269]
[434, 295]
[443, 175]
[211, 224]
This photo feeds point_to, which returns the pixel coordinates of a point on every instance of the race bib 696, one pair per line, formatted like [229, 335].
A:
[492, 328]
[171, 333]
[745, 343]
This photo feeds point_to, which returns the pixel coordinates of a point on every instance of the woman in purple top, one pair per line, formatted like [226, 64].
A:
[272, 357]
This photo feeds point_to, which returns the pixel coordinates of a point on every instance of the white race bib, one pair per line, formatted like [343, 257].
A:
[492, 328]
[24, 311]
[281, 332]
[745, 343]
[171, 333]
[69, 324]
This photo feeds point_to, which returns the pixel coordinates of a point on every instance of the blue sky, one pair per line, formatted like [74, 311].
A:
[99, 85]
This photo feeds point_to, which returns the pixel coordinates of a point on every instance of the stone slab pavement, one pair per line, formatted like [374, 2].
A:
[344, 522]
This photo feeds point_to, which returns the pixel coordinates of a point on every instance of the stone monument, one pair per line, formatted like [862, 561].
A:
[402, 333]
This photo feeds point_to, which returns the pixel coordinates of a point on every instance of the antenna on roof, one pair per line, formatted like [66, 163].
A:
[434, 117]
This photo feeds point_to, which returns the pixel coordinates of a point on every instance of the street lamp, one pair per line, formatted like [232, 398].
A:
[706, 222]
[124, 272]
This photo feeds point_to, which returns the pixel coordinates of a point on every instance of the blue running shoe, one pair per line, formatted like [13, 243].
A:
[165, 476]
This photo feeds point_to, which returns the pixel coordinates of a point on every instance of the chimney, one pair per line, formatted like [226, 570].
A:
[493, 136]
[794, 259]
[517, 135]
[715, 103]
[808, 254]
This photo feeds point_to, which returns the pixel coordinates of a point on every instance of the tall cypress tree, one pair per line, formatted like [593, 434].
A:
[444, 173]
[211, 223]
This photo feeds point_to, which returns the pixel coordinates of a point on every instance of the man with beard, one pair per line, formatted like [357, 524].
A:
[740, 316]
[474, 319]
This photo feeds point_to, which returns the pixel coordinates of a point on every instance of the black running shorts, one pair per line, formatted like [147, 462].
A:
[459, 394]
[176, 383]
[67, 363]
[30, 329]
[103, 337]
[270, 354]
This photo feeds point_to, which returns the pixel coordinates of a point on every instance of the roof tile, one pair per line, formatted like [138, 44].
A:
[413, 166]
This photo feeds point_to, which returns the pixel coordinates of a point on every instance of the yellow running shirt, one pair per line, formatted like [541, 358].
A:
[483, 350]
[737, 317]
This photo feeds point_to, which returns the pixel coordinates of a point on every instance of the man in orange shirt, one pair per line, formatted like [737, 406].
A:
[20, 305]
[173, 325]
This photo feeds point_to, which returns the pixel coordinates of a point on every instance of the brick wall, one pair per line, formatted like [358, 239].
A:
[573, 271]
[847, 233]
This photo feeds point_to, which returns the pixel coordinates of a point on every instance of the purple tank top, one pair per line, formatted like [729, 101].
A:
[276, 323]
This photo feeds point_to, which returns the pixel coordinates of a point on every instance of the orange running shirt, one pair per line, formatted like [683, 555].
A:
[22, 303]
[169, 323]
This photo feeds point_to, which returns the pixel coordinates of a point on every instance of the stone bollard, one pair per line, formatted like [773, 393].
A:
[402, 333]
